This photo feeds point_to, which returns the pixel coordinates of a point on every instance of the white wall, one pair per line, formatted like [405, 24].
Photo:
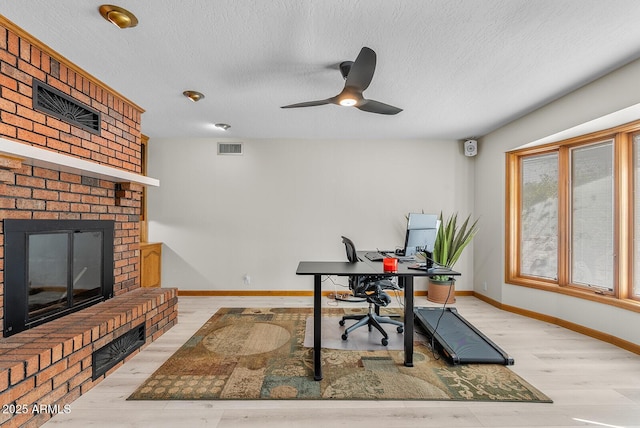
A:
[223, 217]
[614, 92]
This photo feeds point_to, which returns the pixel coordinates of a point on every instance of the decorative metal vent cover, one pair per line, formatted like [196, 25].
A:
[117, 350]
[229, 148]
[51, 101]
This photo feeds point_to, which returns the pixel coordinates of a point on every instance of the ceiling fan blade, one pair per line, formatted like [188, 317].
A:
[359, 74]
[373, 106]
[362, 70]
[311, 103]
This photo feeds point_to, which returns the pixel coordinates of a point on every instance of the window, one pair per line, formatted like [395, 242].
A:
[572, 211]
[591, 215]
[539, 239]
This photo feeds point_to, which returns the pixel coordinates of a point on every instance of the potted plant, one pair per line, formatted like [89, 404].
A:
[451, 240]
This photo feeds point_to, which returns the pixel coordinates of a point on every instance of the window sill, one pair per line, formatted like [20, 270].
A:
[627, 304]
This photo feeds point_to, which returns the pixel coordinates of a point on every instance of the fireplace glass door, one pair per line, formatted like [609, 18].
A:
[47, 273]
[87, 266]
[54, 268]
[64, 270]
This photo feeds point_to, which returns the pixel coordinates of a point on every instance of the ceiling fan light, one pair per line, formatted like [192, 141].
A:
[348, 97]
[348, 102]
[118, 16]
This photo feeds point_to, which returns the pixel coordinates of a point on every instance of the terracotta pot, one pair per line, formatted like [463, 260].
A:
[441, 291]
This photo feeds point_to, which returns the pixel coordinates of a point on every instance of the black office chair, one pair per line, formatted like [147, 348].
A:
[371, 288]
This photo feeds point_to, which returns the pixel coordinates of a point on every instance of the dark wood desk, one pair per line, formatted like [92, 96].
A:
[362, 268]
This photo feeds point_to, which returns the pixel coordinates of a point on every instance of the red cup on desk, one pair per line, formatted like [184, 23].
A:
[389, 264]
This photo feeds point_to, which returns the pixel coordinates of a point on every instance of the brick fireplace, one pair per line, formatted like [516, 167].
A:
[51, 363]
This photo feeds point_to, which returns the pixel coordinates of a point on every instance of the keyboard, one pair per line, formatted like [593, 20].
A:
[374, 256]
[433, 270]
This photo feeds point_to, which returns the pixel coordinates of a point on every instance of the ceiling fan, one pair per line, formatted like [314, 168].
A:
[358, 75]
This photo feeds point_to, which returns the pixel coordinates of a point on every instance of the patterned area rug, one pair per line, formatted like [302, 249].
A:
[258, 353]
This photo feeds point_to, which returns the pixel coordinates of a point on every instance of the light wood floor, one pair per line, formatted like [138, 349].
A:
[592, 383]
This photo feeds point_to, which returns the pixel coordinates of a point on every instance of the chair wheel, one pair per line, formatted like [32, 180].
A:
[341, 322]
[344, 337]
[400, 329]
[385, 342]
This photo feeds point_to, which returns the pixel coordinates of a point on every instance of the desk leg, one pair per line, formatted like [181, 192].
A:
[408, 321]
[317, 327]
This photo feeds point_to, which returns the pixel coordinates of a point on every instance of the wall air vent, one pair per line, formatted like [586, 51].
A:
[229, 148]
[55, 103]
[117, 350]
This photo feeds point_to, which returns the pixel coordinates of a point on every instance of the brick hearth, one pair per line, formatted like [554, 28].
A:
[51, 364]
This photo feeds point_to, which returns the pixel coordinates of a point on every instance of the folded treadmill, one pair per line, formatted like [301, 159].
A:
[458, 340]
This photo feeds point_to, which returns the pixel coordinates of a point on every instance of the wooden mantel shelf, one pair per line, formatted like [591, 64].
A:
[37, 156]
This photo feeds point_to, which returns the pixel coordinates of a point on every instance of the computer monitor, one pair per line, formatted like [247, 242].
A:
[421, 233]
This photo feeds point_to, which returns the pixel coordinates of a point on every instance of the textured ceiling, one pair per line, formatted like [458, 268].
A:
[458, 68]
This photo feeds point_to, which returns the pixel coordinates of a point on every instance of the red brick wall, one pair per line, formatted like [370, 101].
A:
[51, 364]
[119, 143]
[36, 193]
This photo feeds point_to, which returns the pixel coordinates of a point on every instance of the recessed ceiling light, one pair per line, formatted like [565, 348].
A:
[118, 16]
[193, 95]
[222, 126]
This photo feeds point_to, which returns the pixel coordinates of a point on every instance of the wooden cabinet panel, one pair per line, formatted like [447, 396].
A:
[150, 264]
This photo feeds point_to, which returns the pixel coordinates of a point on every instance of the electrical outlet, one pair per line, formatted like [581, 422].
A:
[246, 279]
[484, 286]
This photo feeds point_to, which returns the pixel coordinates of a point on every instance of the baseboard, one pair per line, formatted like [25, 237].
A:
[267, 293]
[605, 337]
[282, 293]
[254, 293]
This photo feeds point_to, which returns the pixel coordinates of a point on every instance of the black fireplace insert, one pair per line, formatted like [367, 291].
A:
[53, 268]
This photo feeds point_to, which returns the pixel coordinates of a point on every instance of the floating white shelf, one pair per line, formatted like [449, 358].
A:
[37, 156]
